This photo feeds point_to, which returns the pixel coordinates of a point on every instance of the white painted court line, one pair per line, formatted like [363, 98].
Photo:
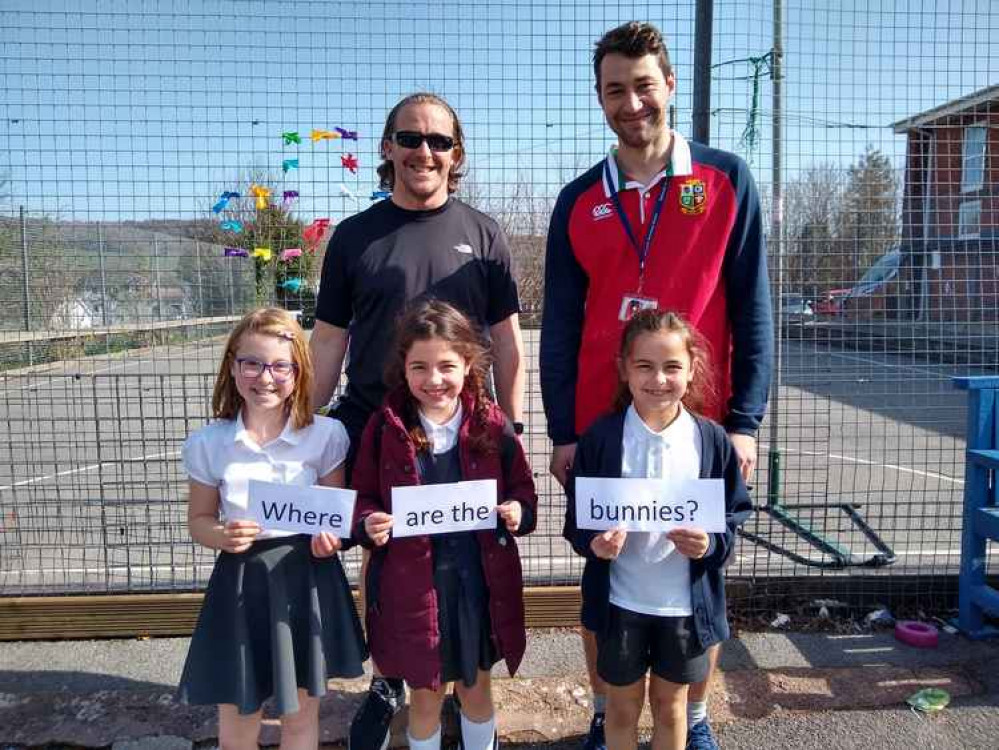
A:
[84, 469]
[46, 378]
[866, 462]
[877, 363]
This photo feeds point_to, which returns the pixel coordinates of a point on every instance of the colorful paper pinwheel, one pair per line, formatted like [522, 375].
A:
[313, 233]
[345, 192]
[262, 194]
[349, 161]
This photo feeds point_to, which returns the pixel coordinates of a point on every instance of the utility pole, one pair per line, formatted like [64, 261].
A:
[703, 21]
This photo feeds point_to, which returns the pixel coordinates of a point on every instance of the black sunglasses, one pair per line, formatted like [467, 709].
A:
[412, 139]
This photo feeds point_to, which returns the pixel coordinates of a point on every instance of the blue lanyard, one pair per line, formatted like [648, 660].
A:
[643, 251]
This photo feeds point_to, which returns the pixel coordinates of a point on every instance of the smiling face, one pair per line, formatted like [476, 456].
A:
[263, 392]
[421, 175]
[657, 371]
[634, 94]
[435, 375]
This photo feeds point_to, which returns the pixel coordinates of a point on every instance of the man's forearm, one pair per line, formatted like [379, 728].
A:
[327, 346]
[509, 369]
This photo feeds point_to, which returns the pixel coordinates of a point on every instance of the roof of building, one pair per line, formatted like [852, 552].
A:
[948, 109]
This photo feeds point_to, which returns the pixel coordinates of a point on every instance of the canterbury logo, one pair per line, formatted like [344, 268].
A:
[463, 248]
[602, 211]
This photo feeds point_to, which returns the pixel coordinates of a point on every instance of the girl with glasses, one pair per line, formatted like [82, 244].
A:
[277, 620]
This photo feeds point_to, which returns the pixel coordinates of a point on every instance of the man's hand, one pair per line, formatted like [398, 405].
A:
[562, 458]
[745, 451]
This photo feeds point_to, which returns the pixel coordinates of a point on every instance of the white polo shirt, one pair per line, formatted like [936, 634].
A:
[442, 437]
[650, 576]
[223, 455]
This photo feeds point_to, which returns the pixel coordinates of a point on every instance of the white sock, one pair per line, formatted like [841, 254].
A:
[599, 703]
[433, 742]
[697, 711]
[478, 736]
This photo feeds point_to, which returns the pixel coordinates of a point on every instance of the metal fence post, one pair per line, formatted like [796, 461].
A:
[104, 279]
[156, 279]
[25, 271]
[26, 283]
[201, 291]
[777, 227]
[703, 19]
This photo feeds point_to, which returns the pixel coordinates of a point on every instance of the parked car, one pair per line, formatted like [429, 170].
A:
[831, 303]
[796, 309]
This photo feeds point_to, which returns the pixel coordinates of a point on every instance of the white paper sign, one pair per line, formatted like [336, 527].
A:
[306, 510]
[440, 508]
[650, 504]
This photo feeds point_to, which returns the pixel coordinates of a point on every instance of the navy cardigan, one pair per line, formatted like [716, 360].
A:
[598, 454]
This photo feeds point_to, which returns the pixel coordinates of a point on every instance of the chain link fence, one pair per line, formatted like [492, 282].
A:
[872, 131]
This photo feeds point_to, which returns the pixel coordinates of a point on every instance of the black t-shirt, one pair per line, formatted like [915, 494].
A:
[381, 259]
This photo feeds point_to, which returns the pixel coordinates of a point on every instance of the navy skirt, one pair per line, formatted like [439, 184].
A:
[274, 620]
[462, 612]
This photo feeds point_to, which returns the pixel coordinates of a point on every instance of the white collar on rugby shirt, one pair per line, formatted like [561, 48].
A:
[680, 165]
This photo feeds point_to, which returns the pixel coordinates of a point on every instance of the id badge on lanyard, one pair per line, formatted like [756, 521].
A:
[637, 301]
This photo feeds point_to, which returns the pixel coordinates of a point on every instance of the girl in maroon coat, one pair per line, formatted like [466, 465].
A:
[443, 608]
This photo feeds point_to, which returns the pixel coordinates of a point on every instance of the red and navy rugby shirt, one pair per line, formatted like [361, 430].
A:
[707, 261]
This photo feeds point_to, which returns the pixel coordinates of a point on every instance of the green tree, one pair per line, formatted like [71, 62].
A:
[811, 205]
[867, 223]
[275, 227]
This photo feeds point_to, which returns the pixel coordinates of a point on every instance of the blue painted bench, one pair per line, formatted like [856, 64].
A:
[978, 599]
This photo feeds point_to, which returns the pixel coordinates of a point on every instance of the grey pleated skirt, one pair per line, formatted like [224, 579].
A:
[275, 619]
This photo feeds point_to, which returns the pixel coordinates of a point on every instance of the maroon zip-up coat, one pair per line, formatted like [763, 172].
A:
[401, 616]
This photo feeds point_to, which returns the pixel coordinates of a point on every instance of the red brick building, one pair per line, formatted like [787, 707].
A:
[950, 211]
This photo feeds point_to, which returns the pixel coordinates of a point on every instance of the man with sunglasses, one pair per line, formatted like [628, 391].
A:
[658, 223]
[420, 242]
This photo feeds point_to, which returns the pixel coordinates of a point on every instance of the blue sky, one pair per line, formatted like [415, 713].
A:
[121, 110]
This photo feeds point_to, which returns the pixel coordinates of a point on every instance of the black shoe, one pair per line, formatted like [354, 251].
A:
[700, 737]
[370, 727]
[596, 740]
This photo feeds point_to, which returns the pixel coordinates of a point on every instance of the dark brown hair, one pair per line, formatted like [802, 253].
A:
[269, 321]
[633, 40]
[433, 319]
[386, 170]
[701, 390]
